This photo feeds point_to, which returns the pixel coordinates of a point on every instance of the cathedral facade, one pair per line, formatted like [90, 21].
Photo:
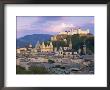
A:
[44, 48]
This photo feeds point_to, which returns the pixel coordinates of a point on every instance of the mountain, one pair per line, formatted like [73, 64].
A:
[26, 40]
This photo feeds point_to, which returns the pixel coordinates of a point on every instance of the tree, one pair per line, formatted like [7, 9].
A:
[32, 70]
[50, 61]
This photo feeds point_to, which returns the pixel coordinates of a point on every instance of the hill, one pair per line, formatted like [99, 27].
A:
[26, 40]
[77, 42]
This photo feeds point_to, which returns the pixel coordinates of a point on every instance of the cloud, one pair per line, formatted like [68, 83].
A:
[49, 24]
[25, 22]
[55, 28]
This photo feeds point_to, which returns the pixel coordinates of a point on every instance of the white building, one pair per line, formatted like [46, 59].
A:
[21, 50]
[75, 31]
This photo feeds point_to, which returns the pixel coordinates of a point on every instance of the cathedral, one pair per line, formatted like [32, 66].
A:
[44, 48]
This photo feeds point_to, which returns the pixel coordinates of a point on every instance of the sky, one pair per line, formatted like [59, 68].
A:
[28, 25]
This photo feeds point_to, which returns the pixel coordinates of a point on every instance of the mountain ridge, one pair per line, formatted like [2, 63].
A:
[31, 39]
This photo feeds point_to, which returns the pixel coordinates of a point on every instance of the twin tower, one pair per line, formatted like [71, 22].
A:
[44, 48]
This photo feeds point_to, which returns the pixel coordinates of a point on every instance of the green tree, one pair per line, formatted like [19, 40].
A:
[32, 70]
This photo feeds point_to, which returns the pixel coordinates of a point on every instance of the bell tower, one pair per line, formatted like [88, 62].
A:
[84, 48]
[43, 45]
[70, 44]
[51, 46]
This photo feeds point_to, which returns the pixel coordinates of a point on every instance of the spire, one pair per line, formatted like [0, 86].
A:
[84, 43]
[70, 44]
[60, 48]
[70, 41]
[51, 45]
[84, 47]
[47, 46]
[38, 42]
[37, 45]
[43, 45]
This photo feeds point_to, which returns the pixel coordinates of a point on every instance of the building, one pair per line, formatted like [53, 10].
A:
[66, 51]
[70, 45]
[18, 62]
[82, 50]
[30, 47]
[60, 52]
[37, 47]
[53, 38]
[21, 50]
[72, 31]
[44, 48]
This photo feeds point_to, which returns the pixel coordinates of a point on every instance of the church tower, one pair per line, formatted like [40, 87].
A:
[79, 51]
[43, 45]
[70, 44]
[37, 45]
[51, 46]
[84, 48]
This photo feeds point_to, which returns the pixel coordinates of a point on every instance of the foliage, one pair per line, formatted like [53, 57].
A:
[77, 42]
[32, 70]
[50, 61]
[38, 70]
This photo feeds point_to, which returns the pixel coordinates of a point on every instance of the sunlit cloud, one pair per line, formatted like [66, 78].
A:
[55, 28]
[49, 24]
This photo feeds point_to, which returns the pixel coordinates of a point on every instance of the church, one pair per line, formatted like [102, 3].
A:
[66, 51]
[44, 48]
